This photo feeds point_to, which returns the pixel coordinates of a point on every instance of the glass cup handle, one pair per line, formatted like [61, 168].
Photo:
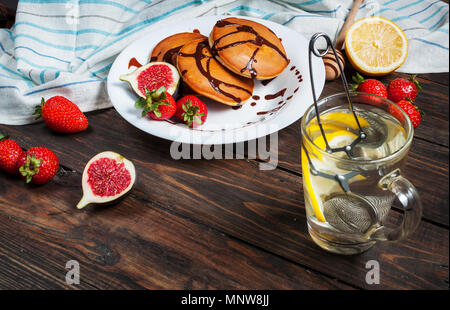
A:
[412, 206]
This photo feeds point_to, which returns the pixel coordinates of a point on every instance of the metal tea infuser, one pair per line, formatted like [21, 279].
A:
[347, 211]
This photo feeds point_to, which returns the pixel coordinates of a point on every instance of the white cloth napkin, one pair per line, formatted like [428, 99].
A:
[66, 47]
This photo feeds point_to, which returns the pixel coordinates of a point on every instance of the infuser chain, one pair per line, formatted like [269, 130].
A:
[313, 50]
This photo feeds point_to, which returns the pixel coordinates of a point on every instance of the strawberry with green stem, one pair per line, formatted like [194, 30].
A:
[157, 104]
[38, 165]
[61, 115]
[401, 88]
[192, 111]
[371, 86]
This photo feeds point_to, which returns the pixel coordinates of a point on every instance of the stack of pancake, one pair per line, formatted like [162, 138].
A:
[223, 66]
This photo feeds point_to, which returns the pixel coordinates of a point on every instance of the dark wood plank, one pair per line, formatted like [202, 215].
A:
[133, 245]
[263, 208]
[440, 78]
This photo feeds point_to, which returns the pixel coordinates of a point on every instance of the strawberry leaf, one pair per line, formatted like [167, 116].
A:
[140, 103]
[358, 79]
[30, 167]
[38, 109]
[3, 137]
[160, 91]
[157, 113]
[164, 103]
[413, 79]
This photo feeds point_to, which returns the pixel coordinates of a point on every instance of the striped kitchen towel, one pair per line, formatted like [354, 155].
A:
[66, 47]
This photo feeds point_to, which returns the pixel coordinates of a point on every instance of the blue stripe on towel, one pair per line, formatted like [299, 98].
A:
[247, 9]
[148, 21]
[9, 87]
[36, 65]
[408, 5]
[331, 11]
[10, 77]
[429, 6]
[438, 22]
[268, 16]
[61, 47]
[389, 2]
[62, 31]
[308, 2]
[429, 43]
[110, 3]
[304, 15]
[42, 76]
[102, 70]
[432, 15]
[415, 13]
[2, 48]
[59, 86]
[22, 77]
[12, 71]
[48, 56]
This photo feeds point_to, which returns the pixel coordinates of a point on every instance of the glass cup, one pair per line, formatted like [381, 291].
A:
[352, 177]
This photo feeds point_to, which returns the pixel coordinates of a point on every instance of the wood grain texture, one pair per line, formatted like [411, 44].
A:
[262, 208]
[133, 245]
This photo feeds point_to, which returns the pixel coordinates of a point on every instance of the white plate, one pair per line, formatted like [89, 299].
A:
[224, 124]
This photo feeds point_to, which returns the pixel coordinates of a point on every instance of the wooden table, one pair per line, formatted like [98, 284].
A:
[209, 224]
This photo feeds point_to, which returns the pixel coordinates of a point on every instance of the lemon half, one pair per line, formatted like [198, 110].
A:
[376, 46]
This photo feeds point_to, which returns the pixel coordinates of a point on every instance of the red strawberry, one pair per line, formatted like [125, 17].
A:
[61, 115]
[401, 88]
[10, 151]
[192, 111]
[38, 165]
[158, 104]
[414, 114]
[370, 86]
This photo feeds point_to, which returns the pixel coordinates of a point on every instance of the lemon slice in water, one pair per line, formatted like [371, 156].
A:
[318, 186]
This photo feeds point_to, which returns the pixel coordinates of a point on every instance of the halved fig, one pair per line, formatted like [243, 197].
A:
[152, 76]
[106, 177]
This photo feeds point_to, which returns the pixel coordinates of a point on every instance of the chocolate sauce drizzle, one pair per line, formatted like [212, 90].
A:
[270, 112]
[276, 95]
[258, 41]
[168, 55]
[214, 82]
[265, 82]
[134, 63]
